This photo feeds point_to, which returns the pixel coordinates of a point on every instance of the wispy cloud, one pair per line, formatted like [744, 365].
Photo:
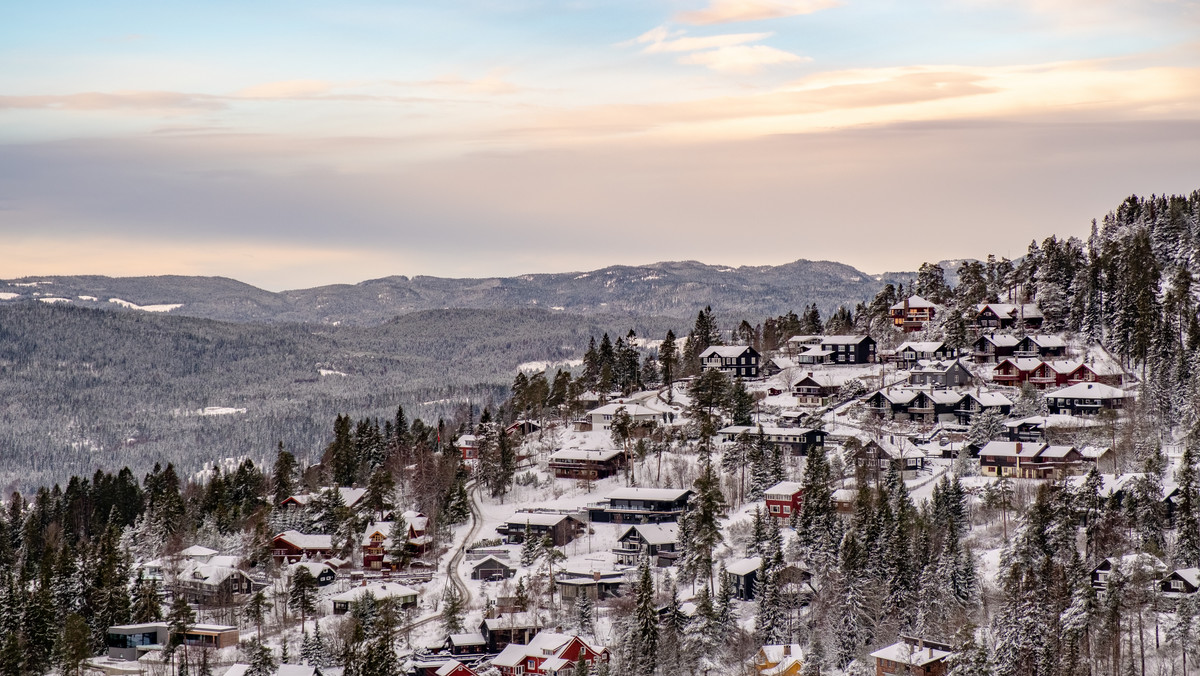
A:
[286, 89]
[728, 53]
[152, 102]
[731, 11]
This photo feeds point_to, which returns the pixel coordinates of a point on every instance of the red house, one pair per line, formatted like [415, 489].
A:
[468, 445]
[1100, 372]
[1052, 374]
[547, 654]
[456, 668]
[292, 546]
[784, 498]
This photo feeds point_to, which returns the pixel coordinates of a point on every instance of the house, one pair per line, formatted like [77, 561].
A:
[943, 374]
[466, 644]
[292, 546]
[1105, 372]
[127, 642]
[405, 596]
[1044, 428]
[1013, 371]
[1146, 566]
[1028, 460]
[1100, 456]
[877, 456]
[789, 440]
[976, 402]
[890, 403]
[991, 348]
[376, 543]
[738, 361]
[1041, 347]
[562, 528]
[602, 417]
[199, 554]
[991, 316]
[207, 585]
[523, 427]
[322, 573]
[1179, 583]
[241, 669]
[743, 574]
[659, 542]
[571, 463]
[915, 657]
[455, 668]
[547, 654]
[1085, 399]
[594, 584]
[776, 365]
[843, 500]
[491, 568]
[912, 313]
[468, 445]
[350, 497]
[1054, 373]
[779, 660]
[949, 450]
[641, 505]
[911, 352]
[509, 628]
[817, 390]
[783, 499]
[901, 403]
[858, 349]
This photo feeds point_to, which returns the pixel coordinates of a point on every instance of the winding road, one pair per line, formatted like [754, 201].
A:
[456, 559]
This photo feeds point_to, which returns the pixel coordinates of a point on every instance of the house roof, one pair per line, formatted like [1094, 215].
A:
[914, 301]
[489, 557]
[825, 379]
[537, 518]
[1094, 452]
[655, 534]
[659, 494]
[725, 351]
[1087, 391]
[921, 346]
[585, 454]
[944, 396]
[197, 551]
[1056, 451]
[782, 362]
[513, 620]
[931, 366]
[785, 488]
[990, 398]
[1056, 421]
[898, 395]
[1104, 368]
[1022, 363]
[475, 638]
[315, 568]
[449, 667]
[380, 590]
[415, 520]
[815, 352]
[744, 566]
[898, 450]
[306, 540]
[1046, 341]
[842, 340]
[774, 653]
[1004, 449]
[766, 430]
[906, 653]
[1000, 340]
[1028, 310]
[1145, 562]
[467, 441]
[1063, 366]
[1189, 575]
[635, 410]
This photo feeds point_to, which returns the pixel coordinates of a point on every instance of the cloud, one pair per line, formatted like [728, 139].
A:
[727, 53]
[730, 11]
[153, 102]
[286, 89]
[742, 58]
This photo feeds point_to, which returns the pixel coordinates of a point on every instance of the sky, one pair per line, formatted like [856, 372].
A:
[293, 144]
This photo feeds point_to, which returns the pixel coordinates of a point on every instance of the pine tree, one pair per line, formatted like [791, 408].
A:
[302, 593]
[146, 605]
[584, 615]
[668, 362]
[644, 628]
[700, 529]
[817, 525]
[453, 606]
[1187, 504]
[75, 645]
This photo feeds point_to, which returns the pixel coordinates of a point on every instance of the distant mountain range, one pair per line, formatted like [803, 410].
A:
[673, 289]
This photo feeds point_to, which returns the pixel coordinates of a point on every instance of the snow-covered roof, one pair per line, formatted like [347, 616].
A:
[523, 619]
[1006, 449]
[827, 379]
[415, 520]
[489, 557]
[536, 518]
[1000, 340]
[1056, 421]
[450, 666]
[467, 441]
[1088, 391]
[512, 656]
[898, 395]
[634, 410]
[1143, 561]
[1094, 452]
[775, 653]
[1046, 341]
[744, 566]
[1105, 368]
[914, 301]
[306, 540]
[658, 494]
[1109, 483]
[1022, 363]
[783, 362]
[1190, 575]
[1056, 451]
[383, 528]
[815, 352]
[987, 399]
[315, 568]
[906, 653]
[241, 669]
[475, 638]
[752, 430]
[725, 351]
[197, 551]
[921, 346]
[656, 534]
[1063, 366]
[380, 590]
[931, 366]
[1027, 310]
[585, 454]
[944, 396]
[784, 488]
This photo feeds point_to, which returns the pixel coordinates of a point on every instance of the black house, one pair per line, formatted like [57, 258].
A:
[491, 568]
[641, 505]
[743, 576]
[738, 361]
[1181, 582]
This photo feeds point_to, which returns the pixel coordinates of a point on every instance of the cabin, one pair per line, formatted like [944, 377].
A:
[601, 418]
[1085, 399]
[405, 596]
[376, 543]
[788, 440]
[466, 644]
[942, 374]
[817, 390]
[913, 657]
[992, 316]
[976, 402]
[292, 546]
[1103, 372]
[207, 585]
[736, 361]
[322, 573]
[1013, 371]
[910, 353]
[594, 584]
[1024, 460]
[562, 528]
[776, 365]
[926, 406]
[1147, 566]
[912, 313]
[508, 628]
[521, 428]
[492, 569]
[843, 500]
[991, 348]
[1180, 583]
[658, 542]
[743, 574]
[783, 499]
[641, 505]
[582, 464]
[468, 446]
[877, 456]
[779, 660]
[1041, 347]
[549, 653]
[860, 349]
[350, 497]
[1054, 373]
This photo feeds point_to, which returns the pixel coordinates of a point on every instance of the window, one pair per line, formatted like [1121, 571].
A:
[787, 509]
[1176, 585]
[774, 509]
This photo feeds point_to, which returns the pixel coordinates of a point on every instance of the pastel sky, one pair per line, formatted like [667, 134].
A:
[290, 144]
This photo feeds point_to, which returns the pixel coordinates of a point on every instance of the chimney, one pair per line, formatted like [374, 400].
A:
[810, 374]
[1018, 447]
[920, 643]
[787, 650]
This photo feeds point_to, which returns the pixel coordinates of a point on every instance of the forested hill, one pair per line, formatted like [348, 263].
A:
[676, 289]
[84, 389]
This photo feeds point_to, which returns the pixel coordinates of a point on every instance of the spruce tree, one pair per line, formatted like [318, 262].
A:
[644, 628]
[302, 593]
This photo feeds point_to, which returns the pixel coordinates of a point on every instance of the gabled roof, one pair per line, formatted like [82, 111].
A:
[1027, 310]
[1005, 449]
[774, 653]
[1046, 341]
[1000, 340]
[1063, 366]
[305, 540]
[658, 494]
[825, 379]
[634, 410]
[906, 653]
[1143, 561]
[785, 488]
[843, 340]
[537, 518]
[453, 665]
[744, 566]
[1022, 364]
[898, 395]
[987, 399]
[897, 450]
[197, 551]
[921, 346]
[1087, 391]
[943, 396]
[381, 590]
[654, 534]
[489, 557]
[726, 351]
[931, 366]
[1103, 368]
[914, 301]
[1189, 575]
[523, 620]
[585, 454]
[752, 430]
